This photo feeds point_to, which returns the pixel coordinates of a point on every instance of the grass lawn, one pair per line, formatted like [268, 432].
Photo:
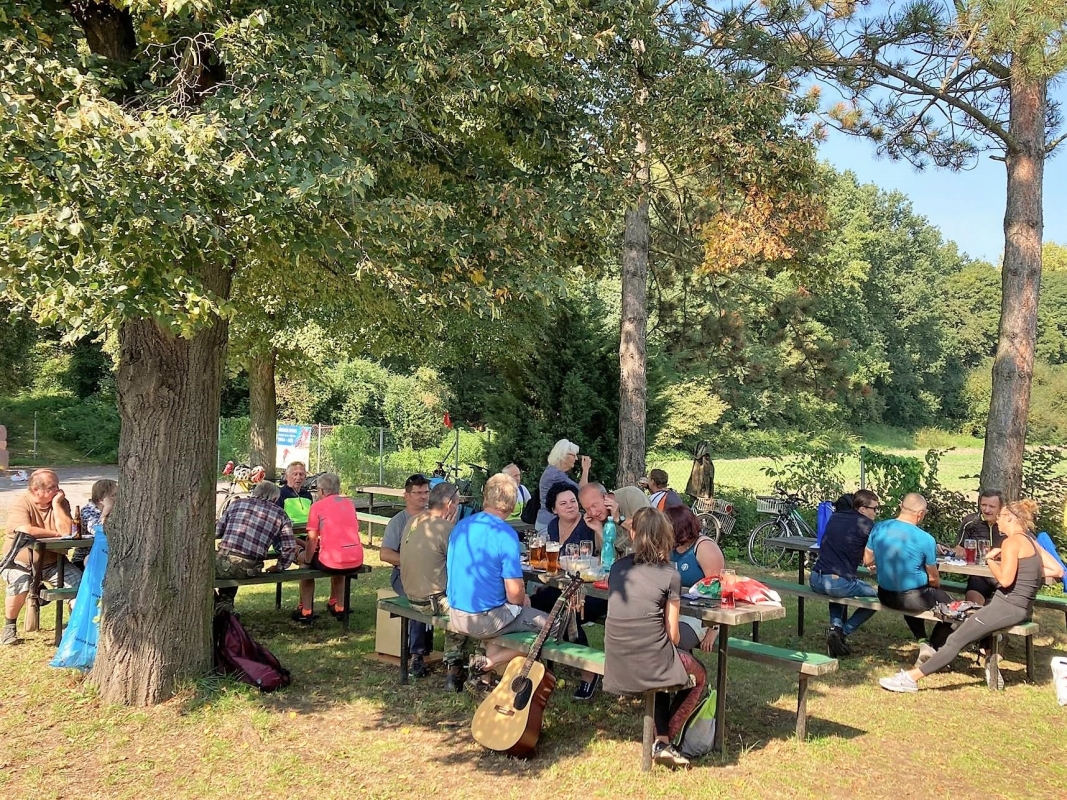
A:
[346, 728]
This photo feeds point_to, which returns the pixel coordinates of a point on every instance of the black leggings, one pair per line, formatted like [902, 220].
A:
[997, 616]
[922, 599]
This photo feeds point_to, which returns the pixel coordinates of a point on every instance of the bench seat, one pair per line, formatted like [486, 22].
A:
[1027, 630]
[301, 574]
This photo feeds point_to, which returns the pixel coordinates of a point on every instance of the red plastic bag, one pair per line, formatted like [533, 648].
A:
[749, 590]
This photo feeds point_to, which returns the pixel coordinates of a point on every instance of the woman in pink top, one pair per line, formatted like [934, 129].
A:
[333, 545]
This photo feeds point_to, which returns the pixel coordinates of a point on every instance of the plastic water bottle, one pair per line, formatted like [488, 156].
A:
[607, 552]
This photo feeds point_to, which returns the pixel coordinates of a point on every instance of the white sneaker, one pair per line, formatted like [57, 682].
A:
[899, 683]
[926, 652]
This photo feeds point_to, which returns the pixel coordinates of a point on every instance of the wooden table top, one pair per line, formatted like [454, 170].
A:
[800, 544]
[742, 614]
[386, 490]
[61, 543]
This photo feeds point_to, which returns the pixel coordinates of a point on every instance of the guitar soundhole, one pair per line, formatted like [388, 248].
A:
[523, 689]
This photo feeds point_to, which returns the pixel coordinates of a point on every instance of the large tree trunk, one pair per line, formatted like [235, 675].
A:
[155, 626]
[263, 409]
[633, 383]
[1013, 369]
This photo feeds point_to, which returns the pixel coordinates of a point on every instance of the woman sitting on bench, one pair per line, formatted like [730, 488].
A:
[1019, 566]
[643, 641]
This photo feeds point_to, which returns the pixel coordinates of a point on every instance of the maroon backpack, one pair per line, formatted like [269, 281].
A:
[239, 655]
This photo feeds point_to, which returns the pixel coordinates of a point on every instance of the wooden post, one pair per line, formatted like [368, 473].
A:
[802, 707]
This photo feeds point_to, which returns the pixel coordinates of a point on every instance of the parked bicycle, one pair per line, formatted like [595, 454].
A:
[786, 522]
[242, 478]
[716, 517]
[469, 487]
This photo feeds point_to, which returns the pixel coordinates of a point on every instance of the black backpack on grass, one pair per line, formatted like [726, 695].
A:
[239, 655]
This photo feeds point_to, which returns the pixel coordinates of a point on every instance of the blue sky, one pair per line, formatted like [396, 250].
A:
[967, 206]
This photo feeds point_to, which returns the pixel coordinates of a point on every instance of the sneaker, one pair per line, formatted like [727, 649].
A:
[10, 635]
[665, 753]
[300, 616]
[335, 612]
[586, 689]
[994, 678]
[836, 645]
[478, 686]
[926, 652]
[417, 668]
[900, 682]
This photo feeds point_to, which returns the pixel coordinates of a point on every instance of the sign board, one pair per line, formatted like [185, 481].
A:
[294, 444]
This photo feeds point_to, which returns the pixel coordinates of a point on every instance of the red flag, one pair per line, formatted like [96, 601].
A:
[448, 421]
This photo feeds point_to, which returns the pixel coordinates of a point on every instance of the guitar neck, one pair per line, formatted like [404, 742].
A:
[561, 601]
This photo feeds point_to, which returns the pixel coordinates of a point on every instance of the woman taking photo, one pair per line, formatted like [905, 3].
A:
[1019, 565]
[561, 460]
[642, 635]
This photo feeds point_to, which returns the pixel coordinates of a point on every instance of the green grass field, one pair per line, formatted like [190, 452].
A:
[347, 728]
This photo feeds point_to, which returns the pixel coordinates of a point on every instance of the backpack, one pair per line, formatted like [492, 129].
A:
[697, 736]
[533, 505]
[239, 655]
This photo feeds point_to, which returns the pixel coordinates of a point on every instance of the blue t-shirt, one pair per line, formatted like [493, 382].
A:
[483, 551]
[902, 552]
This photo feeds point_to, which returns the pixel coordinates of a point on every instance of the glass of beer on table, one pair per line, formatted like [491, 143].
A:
[537, 552]
[552, 557]
[970, 550]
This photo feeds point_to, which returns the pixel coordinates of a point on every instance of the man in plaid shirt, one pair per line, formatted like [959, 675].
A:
[248, 528]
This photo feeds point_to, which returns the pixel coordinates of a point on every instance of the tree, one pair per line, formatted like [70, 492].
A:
[153, 154]
[937, 81]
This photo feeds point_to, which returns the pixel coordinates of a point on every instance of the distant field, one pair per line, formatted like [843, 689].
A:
[958, 470]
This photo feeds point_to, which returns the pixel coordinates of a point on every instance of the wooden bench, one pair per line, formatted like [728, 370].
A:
[372, 519]
[296, 575]
[805, 665]
[1027, 630]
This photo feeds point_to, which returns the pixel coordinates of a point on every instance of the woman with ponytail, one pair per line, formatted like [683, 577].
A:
[1019, 566]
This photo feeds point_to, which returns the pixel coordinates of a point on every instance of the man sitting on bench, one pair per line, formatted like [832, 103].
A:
[333, 545]
[249, 528]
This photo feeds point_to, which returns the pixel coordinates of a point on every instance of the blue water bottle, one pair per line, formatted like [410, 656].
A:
[607, 552]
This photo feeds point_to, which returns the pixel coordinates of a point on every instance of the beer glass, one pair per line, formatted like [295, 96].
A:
[970, 550]
[552, 557]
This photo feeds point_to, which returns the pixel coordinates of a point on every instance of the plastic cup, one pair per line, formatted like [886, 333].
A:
[983, 548]
[727, 597]
[585, 548]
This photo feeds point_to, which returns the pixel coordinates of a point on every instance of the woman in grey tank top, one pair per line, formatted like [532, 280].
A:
[1019, 566]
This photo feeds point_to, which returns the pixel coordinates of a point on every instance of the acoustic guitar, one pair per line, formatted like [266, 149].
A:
[509, 720]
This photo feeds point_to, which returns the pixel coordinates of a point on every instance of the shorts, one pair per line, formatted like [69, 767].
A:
[18, 580]
[230, 566]
[497, 621]
[316, 564]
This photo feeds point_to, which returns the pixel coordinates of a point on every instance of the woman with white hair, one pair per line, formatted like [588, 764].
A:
[560, 461]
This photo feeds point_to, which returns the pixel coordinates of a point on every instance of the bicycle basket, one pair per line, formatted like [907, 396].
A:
[772, 505]
[726, 522]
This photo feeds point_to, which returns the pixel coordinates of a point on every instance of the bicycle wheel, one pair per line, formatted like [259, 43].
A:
[758, 552]
[222, 501]
[710, 526]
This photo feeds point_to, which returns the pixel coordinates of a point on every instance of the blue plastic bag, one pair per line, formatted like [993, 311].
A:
[77, 650]
[826, 510]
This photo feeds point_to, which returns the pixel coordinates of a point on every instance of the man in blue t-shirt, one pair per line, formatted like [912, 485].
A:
[906, 558]
[834, 574]
[486, 588]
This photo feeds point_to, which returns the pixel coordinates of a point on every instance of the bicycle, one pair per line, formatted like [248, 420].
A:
[787, 522]
[716, 517]
[242, 478]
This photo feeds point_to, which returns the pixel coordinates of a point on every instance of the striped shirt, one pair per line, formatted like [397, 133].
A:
[250, 526]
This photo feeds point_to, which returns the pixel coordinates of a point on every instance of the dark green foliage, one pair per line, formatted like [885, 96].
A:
[90, 367]
[92, 426]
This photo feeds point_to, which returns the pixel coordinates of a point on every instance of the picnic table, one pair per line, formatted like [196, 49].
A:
[370, 491]
[725, 618]
[60, 545]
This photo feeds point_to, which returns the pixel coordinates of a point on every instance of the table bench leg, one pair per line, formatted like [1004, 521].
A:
[404, 651]
[802, 708]
[995, 651]
[800, 600]
[278, 596]
[648, 735]
[348, 603]
[755, 631]
[1030, 658]
[720, 688]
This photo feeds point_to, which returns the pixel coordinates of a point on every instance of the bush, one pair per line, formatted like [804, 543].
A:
[234, 441]
[92, 426]
[691, 409]
[414, 407]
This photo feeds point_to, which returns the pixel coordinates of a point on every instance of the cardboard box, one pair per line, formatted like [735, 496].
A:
[387, 629]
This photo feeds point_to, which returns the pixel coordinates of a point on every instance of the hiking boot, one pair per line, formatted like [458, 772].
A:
[994, 678]
[300, 616]
[417, 668]
[454, 678]
[666, 754]
[9, 635]
[900, 682]
[926, 652]
[836, 644]
[479, 686]
[586, 689]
